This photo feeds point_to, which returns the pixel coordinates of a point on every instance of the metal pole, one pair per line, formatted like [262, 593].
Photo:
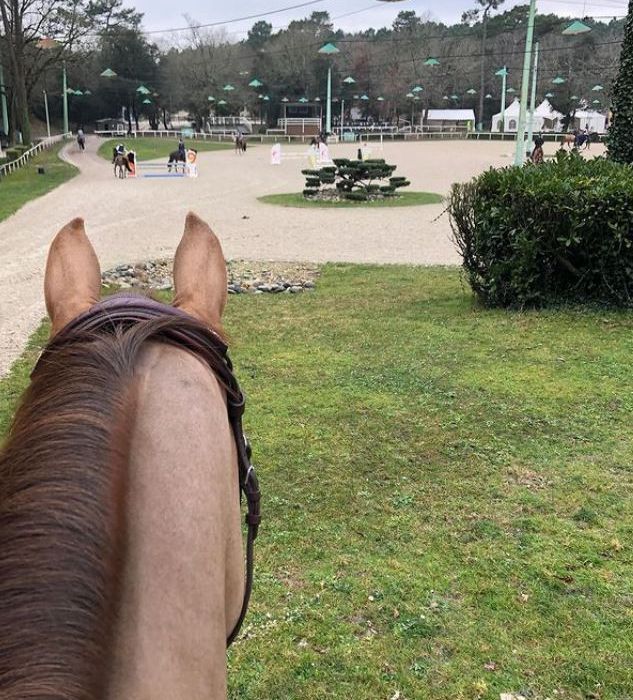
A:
[3, 95]
[342, 116]
[504, 79]
[328, 113]
[519, 153]
[48, 121]
[530, 137]
[64, 97]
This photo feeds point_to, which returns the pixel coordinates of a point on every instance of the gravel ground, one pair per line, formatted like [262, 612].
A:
[130, 221]
[244, 276]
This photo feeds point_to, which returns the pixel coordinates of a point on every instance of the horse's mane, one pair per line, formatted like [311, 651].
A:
[62, 504]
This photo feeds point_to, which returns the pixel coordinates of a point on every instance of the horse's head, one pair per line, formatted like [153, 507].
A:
[72, 283]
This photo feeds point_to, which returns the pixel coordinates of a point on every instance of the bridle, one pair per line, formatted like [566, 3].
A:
[124, 311]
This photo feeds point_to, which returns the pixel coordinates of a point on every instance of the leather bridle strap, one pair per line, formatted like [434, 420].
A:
[125, 311]
[249, 486]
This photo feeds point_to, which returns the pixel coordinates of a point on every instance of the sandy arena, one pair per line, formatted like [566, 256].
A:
[133, 220]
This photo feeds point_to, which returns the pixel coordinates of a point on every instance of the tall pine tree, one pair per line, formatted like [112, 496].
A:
[621, 132]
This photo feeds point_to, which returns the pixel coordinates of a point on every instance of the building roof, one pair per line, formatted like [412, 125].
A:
[451, 115]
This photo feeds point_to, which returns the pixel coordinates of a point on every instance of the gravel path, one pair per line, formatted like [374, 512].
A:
[134, 220]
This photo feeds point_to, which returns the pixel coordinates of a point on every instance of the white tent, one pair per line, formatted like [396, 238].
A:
[590, 119]
[545, 118]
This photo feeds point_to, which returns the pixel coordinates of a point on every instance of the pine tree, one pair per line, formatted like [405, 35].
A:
[620, 141]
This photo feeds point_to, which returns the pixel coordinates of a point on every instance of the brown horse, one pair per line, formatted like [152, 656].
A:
[121, 164]
[568, 140]
[121, 571]
[240, 143]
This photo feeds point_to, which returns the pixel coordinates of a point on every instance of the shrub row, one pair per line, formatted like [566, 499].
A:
[555, 233]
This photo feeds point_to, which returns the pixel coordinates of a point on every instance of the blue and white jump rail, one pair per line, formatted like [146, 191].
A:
[187, 169]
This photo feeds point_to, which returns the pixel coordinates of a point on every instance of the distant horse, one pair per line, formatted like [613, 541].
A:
[568, 140]
[176, 157]
[121, 164]
[81, 142]
[240, 143]
[121, 570]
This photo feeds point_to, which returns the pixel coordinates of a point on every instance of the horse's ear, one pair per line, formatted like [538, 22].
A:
[200, 277]
[72, 281]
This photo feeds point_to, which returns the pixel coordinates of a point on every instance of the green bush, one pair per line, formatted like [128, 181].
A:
[12, 153]
[356, 180]
[560, 232]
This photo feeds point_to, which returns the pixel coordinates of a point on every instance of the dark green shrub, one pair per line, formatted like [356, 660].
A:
[620, 139]
[12, 153]
[356, 180]
[559, 232]
[357, 196]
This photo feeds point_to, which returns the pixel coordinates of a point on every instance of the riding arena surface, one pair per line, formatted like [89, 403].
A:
[135, 219]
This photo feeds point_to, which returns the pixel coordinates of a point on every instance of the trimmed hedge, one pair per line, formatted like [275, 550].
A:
[559, 232]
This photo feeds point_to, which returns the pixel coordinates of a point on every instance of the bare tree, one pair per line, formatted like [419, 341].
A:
[485, 7]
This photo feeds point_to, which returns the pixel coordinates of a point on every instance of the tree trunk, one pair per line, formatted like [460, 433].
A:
[13, 31]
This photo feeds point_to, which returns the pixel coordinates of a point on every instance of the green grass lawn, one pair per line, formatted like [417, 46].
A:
[446, 490]
[404, 199]
[150, 148]
[26, 184]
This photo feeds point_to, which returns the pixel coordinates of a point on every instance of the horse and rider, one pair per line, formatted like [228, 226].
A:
[177, 156]
[81, 139]
[577, 139]
[122, 160]
[240, 142]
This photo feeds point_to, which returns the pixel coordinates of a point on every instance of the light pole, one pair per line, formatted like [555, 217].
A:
[348, 81]
[48, 121]
[533, 98]
[329, 50]
[519, 153]
[503, 72]
[3, 96]
[64, 97]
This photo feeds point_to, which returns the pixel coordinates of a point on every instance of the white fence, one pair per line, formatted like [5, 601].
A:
[27, 155]
[274, 135]
[217, 135]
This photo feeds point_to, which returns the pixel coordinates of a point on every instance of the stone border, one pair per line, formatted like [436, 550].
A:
[244, 277]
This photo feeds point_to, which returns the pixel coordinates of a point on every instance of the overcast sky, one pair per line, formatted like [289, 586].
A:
[347, 14]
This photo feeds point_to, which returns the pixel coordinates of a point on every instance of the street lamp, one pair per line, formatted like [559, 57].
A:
[46, 44]
[3, 97]
[346, 82]
[575, 28]
[329, 50]
[519, 152]
[503, 74]
[533, 98]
